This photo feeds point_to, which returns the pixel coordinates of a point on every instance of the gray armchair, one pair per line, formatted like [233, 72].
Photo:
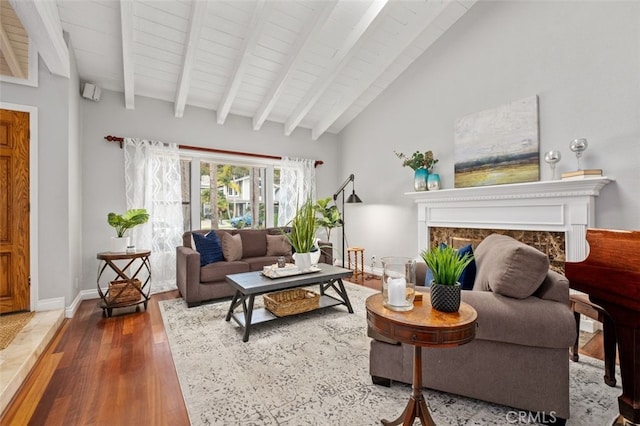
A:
[519, 356]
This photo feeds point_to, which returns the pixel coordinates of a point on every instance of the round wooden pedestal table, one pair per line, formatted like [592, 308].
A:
[421, 327]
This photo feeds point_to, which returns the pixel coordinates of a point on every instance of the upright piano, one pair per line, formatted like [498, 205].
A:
[610, 275]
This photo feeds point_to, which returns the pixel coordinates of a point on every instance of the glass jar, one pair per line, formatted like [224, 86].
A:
[398, 283]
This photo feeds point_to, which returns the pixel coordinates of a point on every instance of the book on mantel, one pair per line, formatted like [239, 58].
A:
[582, 173]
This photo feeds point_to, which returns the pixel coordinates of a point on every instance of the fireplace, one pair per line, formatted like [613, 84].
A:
[554, 213]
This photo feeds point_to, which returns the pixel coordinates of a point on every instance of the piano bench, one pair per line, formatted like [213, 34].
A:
[580, 304]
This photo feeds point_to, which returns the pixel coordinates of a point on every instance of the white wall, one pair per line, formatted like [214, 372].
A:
[580, 58]
[58, 189]
[103, 164]
[74, 179]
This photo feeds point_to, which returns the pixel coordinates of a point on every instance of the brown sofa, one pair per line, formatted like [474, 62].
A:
[198, 284]
[519, 356]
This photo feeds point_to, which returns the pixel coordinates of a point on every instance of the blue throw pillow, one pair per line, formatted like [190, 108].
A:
[468, 276]
[428, 278]
[209, 247]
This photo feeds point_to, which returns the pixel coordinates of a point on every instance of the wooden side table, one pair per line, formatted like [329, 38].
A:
[358, 268]
[136, 268]
[420, 327]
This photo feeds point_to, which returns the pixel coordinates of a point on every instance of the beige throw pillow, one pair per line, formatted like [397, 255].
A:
[231, 247]
[278, 245]
[509, 267]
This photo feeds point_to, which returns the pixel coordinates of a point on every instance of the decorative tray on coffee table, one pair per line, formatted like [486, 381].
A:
[289, 270]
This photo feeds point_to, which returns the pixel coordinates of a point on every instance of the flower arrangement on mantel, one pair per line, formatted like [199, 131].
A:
[418, 160]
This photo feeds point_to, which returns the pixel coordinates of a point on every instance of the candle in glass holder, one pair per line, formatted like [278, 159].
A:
[397, 291]
[398, 283]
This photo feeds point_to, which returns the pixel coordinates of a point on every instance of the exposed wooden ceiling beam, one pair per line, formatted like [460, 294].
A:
[198, 12]
[419, 23]
[242, 61]
[9, 54]
[311, 28]
[341, 58]
[42, 22]
[128, 70]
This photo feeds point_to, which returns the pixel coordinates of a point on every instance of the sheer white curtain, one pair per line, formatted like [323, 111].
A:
[152, 181]
[297, 183]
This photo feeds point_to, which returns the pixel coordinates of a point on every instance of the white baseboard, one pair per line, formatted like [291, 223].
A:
[50, 304]
[70, 310]
[90, 294]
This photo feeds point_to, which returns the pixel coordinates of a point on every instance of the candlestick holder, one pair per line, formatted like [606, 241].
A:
[552, 157]
[579, 146]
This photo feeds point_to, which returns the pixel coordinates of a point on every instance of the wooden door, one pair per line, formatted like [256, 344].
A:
[14, 211]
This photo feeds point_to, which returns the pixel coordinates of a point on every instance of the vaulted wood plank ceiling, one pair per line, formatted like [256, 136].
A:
[301, 63]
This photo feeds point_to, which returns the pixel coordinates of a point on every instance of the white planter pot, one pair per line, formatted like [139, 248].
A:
[119, 244]
[302, 261]
[315, 257]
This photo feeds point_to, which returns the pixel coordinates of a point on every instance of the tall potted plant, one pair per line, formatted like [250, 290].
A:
[328, 216]
[303, 234]
[123, 222]
[446, 265]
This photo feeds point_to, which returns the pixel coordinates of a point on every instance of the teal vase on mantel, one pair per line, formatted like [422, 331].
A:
[433, 182]
[420, 179]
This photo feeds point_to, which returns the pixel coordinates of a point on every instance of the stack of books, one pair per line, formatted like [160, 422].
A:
[582, 174]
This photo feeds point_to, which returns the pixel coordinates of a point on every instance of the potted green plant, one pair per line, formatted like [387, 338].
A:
[328, 216]
[421, 163]
[302, 236]
[123, 222]
[446, 265]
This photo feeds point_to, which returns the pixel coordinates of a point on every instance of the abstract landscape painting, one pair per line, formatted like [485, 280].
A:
[498, 146]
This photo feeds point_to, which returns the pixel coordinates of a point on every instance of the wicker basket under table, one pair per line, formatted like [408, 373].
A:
[291, 302]
[124, 291]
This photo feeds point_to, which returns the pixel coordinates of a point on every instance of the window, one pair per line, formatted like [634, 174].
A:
[229, 195]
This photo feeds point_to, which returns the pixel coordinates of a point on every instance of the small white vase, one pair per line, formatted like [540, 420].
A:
[119, 244]
[302, 261]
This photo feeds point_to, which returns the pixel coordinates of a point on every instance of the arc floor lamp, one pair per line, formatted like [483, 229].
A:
[353, 198]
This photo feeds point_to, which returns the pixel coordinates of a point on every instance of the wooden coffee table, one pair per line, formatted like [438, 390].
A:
[248, 285]
[420, 327]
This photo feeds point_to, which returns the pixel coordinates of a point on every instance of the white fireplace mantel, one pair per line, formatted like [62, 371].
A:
[560, 205]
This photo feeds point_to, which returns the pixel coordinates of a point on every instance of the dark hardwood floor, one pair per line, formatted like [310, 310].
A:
[117, 371]
[100, 371]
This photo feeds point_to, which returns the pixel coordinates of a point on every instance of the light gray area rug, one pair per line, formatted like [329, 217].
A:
[312, 369]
